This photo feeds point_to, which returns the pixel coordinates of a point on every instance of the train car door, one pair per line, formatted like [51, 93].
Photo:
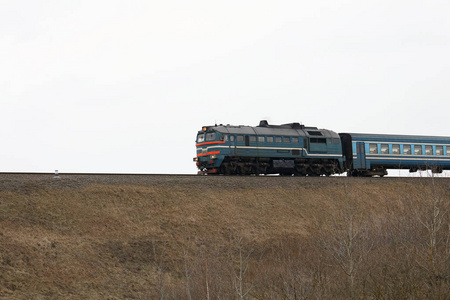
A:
[232, 147]
[242, 142]
[305, 148]
[247, 150]
[361, 156]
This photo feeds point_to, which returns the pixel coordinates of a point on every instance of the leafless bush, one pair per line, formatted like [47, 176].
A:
[345, 243]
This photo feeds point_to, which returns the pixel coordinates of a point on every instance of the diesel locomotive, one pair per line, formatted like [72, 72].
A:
[295, 149]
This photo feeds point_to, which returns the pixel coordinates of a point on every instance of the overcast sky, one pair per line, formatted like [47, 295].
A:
[124, 86]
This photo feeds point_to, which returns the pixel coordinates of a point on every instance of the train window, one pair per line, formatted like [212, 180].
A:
[417, 150]
[270, 139]
[261, 139]
[373, 148]
[317, 140]
[200, 137]
[407, 149]
[295, 140]
[439, 150]
[252, 139]
[240, 138]
[232, 138]
[224, 137]
[428, 150]
[448, 150]
[286, 139]
[336, 141]
[278, 139]
[384, 149]
[395, 149]
[210, 136]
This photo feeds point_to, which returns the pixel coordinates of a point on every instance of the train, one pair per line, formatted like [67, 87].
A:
[294, 149]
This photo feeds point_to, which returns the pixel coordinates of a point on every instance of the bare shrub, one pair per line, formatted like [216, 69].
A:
[345, 241]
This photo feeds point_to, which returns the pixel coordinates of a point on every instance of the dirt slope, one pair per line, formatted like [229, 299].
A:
[165, 237]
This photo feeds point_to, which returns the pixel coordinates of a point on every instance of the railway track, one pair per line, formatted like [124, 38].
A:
[93, 174]
[183, 175]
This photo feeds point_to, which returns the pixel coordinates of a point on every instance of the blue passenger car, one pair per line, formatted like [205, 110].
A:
[288, 149]
[373, 154]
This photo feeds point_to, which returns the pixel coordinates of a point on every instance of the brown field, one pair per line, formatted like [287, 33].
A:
[206, 237]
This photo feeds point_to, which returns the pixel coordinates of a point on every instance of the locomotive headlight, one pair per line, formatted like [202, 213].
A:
[213, 156]
[195, 158]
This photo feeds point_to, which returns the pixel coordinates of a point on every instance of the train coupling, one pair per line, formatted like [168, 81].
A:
[208, 171]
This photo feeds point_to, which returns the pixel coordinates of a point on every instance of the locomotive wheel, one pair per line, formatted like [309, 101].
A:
[314, 170]
[263, 167]
[301, 170]
[257, 169]
[226, 169]
[241, 169]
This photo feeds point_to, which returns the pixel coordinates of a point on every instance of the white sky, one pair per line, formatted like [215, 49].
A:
[124, 86]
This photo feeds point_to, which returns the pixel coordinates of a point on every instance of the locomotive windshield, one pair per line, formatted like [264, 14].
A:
[210, 136]
[200, 137]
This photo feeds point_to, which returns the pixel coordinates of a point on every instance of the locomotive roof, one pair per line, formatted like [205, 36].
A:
[291, 129]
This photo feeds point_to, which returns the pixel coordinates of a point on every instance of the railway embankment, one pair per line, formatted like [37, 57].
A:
[216, 237]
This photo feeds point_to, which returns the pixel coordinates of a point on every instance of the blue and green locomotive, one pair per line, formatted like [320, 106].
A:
[294, 149]
[288, 149]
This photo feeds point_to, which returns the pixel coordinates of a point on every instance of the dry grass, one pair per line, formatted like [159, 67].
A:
[171, 238]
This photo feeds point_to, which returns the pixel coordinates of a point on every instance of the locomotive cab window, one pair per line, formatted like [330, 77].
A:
[210, 136]
[200, 138]
[373, 148]
[407, 149]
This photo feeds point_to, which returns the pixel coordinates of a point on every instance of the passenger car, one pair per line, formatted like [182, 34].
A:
[373, 154]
